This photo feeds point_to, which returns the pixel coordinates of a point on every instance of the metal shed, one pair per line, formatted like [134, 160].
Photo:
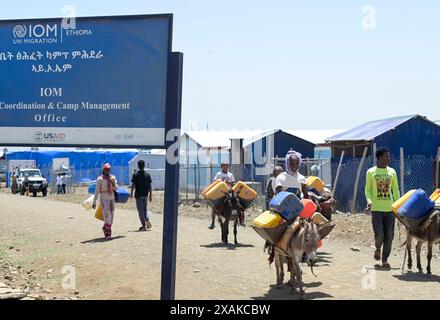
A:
[394, 133]
[414, 143]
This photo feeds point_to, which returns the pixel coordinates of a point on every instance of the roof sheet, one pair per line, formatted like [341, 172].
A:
[370, 130]
[315, 136]
[221, 139]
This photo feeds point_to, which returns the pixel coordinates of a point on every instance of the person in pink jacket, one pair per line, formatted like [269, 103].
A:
[106, 185]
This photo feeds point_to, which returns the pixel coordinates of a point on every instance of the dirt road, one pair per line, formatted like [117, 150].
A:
[44, 235]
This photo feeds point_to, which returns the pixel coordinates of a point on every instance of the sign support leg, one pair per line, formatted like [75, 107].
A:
[171, 195]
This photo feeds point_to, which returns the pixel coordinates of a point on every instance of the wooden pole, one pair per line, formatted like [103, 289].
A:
[356, 184]
[338, 172]
[374, 154]
[402, 171]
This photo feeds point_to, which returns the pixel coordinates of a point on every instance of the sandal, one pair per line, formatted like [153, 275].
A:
[377, 255]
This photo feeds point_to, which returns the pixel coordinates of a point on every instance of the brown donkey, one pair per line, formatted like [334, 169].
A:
[304, 240]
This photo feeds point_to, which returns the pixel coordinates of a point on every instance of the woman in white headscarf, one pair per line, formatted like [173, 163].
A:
[291, 180]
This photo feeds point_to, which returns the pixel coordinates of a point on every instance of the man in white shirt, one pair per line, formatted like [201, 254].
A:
[65, 179]
[226, 177]
[291, 180]
[59, 184]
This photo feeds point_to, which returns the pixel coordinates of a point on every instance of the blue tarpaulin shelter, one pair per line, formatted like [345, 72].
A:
[85, 164]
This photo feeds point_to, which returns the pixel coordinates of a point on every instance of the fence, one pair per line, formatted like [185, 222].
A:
[194, 178]
[416, 171]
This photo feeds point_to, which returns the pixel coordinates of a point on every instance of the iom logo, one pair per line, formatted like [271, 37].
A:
[35, 33]
[20, 31]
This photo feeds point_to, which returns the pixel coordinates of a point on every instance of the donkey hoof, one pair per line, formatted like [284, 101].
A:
[409, 266]
[428, 271]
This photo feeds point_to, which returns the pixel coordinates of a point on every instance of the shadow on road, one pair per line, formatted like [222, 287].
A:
[324, 258]
[417, 277]
[285, 293]
[378, 267]
[99, 240]
[229, 246]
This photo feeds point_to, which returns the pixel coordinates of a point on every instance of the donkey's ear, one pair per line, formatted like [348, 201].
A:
[305, 225]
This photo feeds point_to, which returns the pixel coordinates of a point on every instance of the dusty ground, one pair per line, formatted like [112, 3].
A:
[46, 234]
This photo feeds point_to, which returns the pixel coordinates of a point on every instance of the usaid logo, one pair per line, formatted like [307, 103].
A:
[38, 137]
[49, 136]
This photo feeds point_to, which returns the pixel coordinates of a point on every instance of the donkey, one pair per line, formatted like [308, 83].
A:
[304, 240]
[230, 210]
[428, 231]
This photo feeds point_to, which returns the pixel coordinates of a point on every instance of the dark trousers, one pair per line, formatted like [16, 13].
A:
[141, 205]
[383, 226]
[64, 189]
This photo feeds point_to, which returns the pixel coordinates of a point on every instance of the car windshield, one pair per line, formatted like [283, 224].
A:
[30, 173]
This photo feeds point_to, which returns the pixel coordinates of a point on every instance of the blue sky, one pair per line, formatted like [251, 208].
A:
[290, 64]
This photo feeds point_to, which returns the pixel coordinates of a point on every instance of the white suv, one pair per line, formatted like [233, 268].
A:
[36, 181]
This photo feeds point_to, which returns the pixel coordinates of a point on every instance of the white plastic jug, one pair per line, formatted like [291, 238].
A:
[87, 204]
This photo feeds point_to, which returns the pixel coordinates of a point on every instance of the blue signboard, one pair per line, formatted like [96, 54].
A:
[102, 82]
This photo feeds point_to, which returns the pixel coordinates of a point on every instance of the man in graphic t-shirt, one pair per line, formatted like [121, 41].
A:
[381, 191]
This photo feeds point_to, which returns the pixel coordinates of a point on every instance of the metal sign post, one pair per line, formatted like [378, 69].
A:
[171, 197]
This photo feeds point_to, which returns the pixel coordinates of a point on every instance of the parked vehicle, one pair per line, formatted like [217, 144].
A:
[3, 171]
[37, 182]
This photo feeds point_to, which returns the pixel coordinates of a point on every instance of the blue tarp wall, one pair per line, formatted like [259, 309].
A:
[85, 165]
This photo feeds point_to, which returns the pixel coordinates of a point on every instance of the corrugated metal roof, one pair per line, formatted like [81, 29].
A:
[219, 139]
[370, 130]
[222, 138]
[259, 136]
[315, 136]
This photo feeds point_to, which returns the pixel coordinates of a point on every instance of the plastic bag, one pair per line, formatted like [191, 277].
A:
[98, 214]
[88, 203]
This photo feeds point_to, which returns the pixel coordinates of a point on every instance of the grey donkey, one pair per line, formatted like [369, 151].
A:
[304, 240]
[428, 231]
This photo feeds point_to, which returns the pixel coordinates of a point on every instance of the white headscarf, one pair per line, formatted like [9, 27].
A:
[292, 155]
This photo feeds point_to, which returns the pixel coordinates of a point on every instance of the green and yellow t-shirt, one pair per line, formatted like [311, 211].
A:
[382, 188]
